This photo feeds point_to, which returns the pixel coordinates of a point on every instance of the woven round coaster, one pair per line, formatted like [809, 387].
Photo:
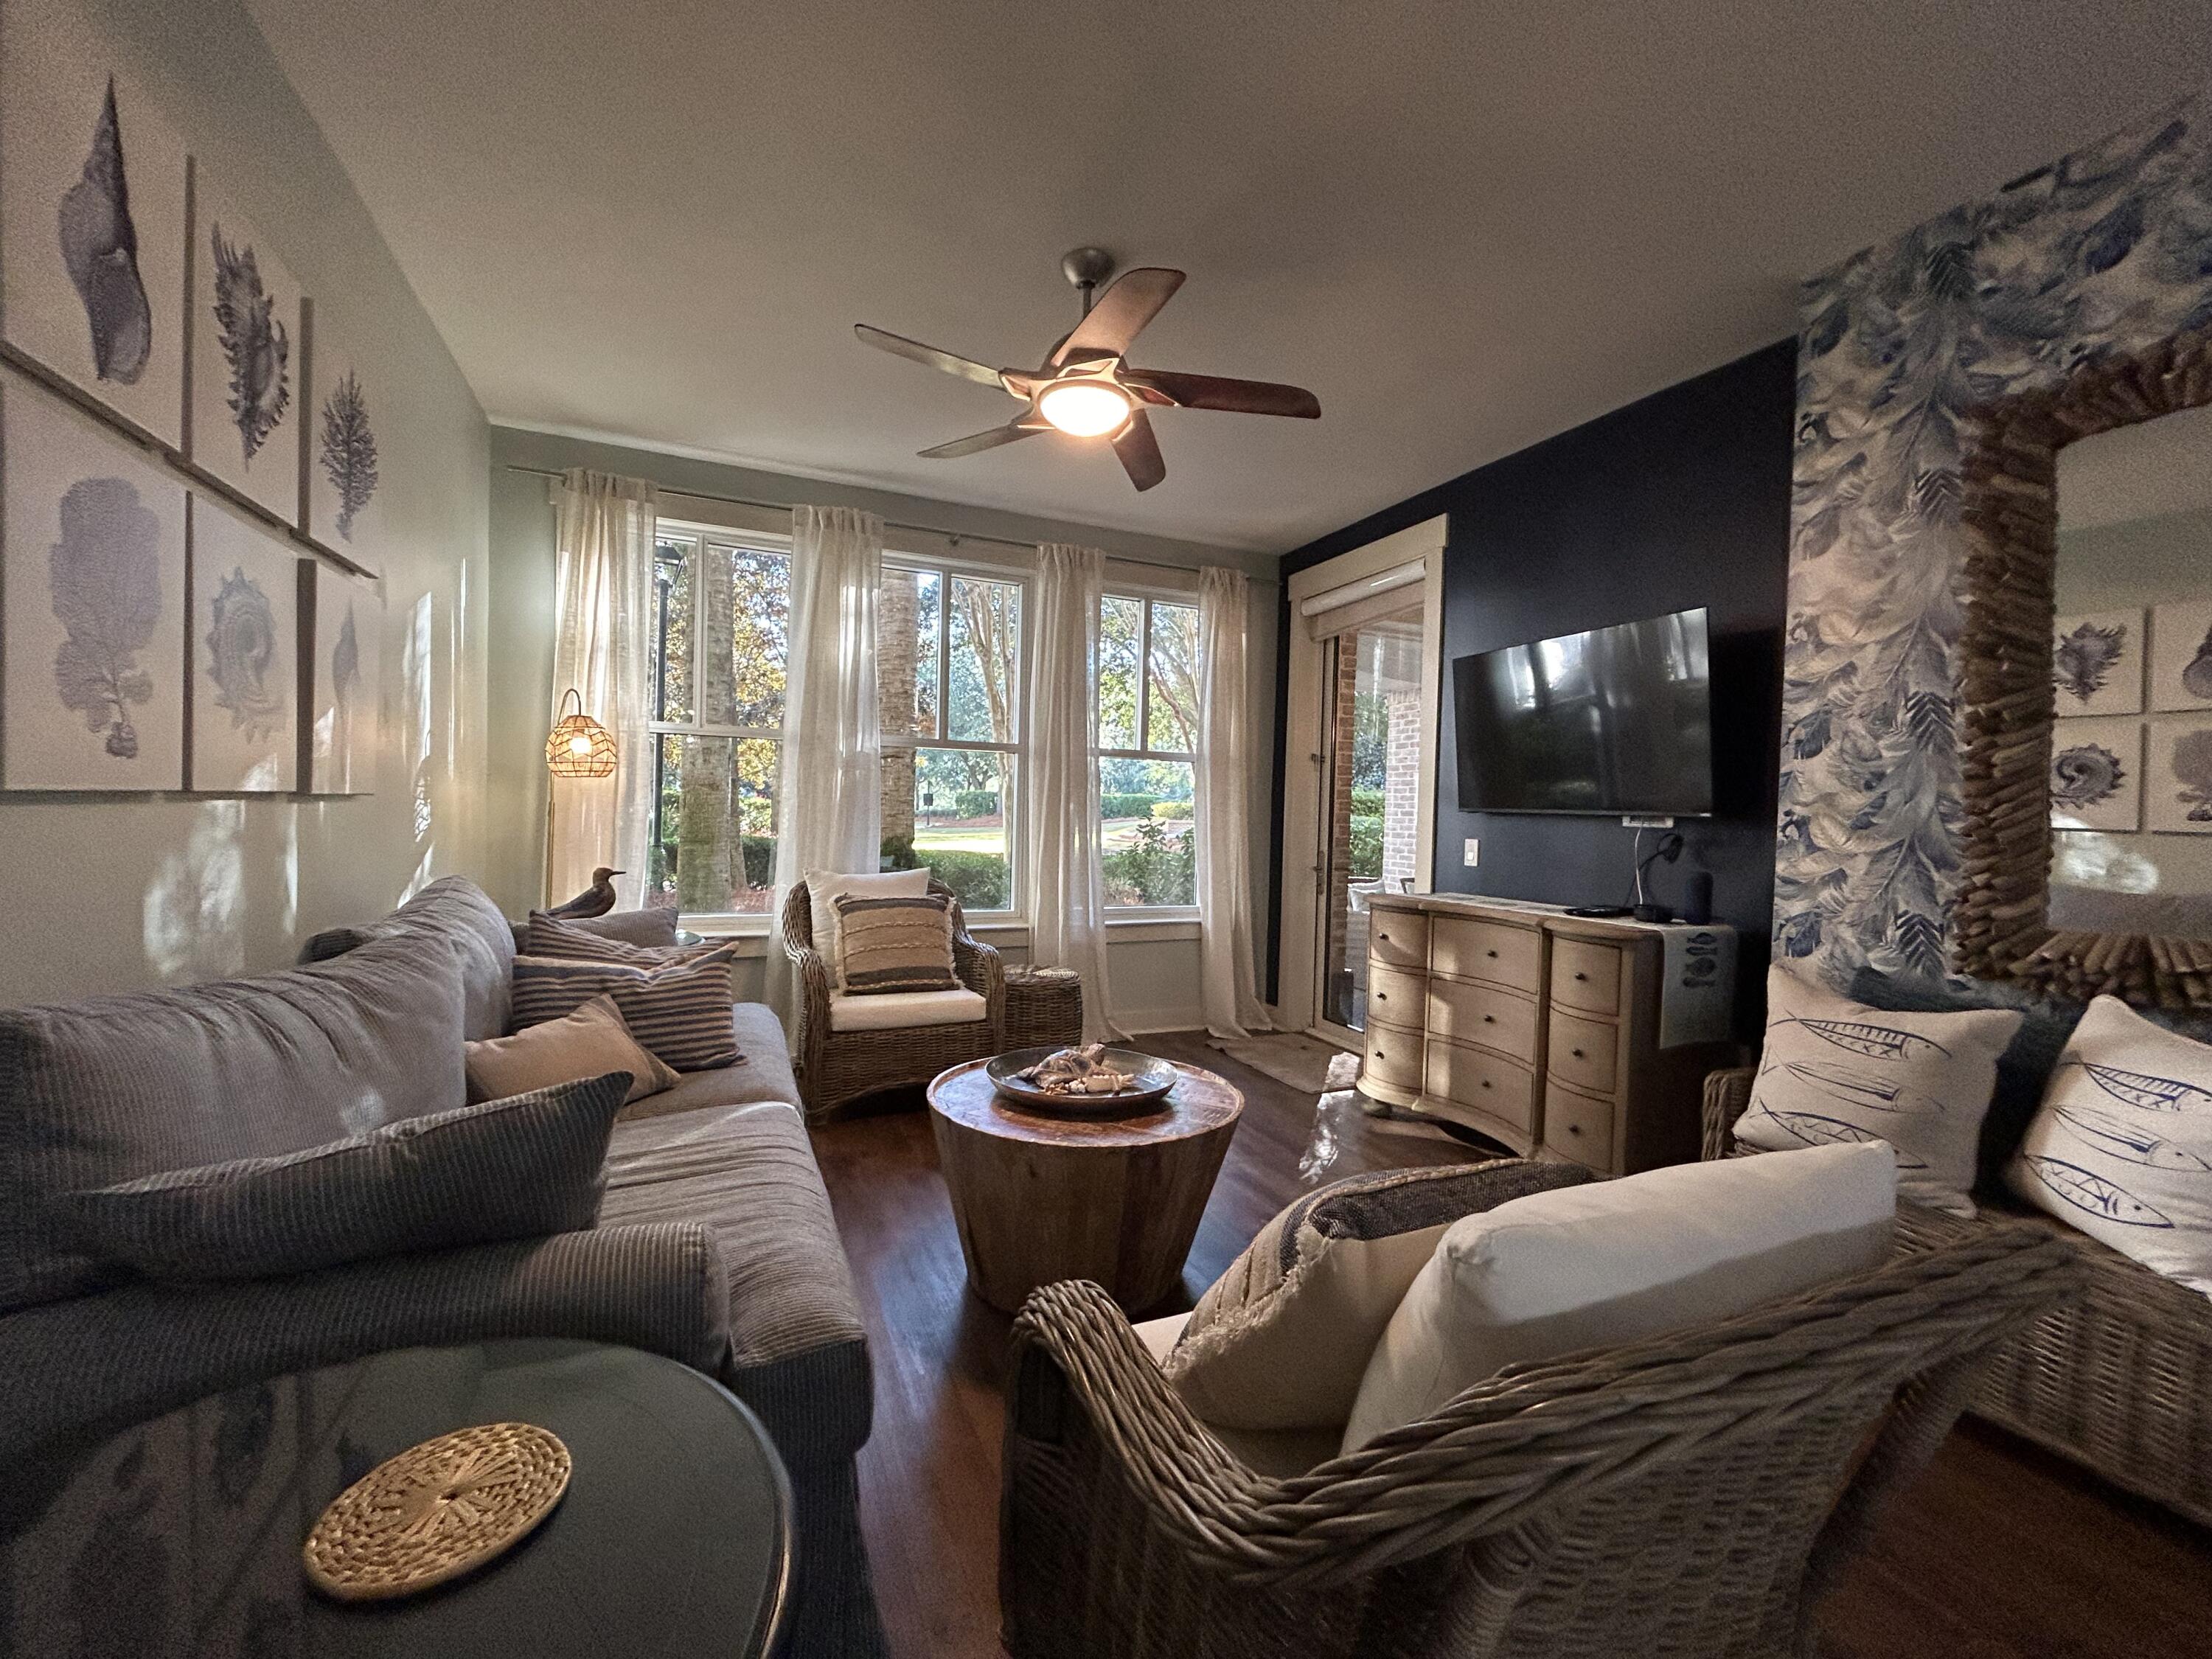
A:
[436, 1511]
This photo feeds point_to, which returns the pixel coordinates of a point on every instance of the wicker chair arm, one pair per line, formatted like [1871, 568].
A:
[979, 966]
[1727, 1096]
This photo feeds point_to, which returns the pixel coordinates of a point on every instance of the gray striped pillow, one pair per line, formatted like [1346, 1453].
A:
[680, 1011]
[893, 943]
[555, 936]
[520, 1168]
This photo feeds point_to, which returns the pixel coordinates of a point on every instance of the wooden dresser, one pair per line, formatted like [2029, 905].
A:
[1557, 1036]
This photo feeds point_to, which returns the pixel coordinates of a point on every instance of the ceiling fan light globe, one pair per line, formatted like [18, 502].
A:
[1085, 409]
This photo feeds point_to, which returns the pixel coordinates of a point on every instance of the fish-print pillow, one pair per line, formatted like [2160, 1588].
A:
[1834, 1071]
[2122, 1148]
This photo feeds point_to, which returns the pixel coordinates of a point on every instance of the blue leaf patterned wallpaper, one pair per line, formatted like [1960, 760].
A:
[2100, 255]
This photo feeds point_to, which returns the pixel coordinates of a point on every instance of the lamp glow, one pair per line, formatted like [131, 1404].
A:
[1085, 409]
[579, 746]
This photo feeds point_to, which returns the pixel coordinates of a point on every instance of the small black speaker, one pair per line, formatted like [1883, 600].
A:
[1697, 897]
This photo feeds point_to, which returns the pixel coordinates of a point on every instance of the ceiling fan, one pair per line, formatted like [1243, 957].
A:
[1087, 388]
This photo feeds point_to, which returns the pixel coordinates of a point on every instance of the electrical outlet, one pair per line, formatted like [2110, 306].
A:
[1472, 855]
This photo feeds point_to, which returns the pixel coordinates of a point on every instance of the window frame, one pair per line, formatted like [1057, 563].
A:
[1145, 598]
[696, 537]
[1015, 753]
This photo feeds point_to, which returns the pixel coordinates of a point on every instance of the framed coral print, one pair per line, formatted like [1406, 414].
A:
[344, 657]
[2178, 781]
[2181, 656]
[347, 393]
[92, 603]
[92, 220]
[246, 415]
[2097, 775]
[245, 634]
[2097, 663]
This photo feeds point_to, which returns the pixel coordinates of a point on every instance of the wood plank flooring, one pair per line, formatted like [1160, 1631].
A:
[1999, 1551]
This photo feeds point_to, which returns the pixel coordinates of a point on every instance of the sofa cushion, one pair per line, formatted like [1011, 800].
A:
[642, 936]
[117, 1087]
[588, 1043]
[1596, 1267]
[524, 1167]
[458, 910]
[680, 1009]
[798, 1346]
[893, 1010]
[764, 1072]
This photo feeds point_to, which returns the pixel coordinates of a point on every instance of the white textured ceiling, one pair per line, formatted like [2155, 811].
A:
[1466, 226]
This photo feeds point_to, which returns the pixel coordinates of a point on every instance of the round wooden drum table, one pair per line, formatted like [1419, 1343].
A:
[1040, 1197]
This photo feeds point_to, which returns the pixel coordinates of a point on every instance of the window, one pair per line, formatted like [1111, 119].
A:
[1147, 731]
[949, 673]
[720, 648]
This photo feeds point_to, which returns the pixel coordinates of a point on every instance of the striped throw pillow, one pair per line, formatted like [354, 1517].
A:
[553, 936]
[679, 1011]
[901, 944]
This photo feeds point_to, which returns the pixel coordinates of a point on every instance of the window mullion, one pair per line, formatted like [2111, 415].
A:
[941, 715]
[1145, 674]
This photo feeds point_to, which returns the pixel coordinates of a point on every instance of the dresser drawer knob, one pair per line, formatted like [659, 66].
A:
[1489, 1019]
[1574, 1128]
[1486, 1083]
[1582, 976]
[1578, 1054]
[1492, 955]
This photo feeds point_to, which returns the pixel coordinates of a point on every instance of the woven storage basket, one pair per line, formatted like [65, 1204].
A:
[1043, 1004]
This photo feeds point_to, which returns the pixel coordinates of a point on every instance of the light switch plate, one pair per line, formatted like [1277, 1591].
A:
[1472, 855]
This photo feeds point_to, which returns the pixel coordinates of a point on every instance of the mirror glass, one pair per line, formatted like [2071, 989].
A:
[2131, 664]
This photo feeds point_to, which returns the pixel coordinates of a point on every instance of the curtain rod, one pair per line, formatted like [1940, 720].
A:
[954, 536]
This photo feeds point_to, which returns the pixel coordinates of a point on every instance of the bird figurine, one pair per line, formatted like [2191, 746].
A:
[594, 901]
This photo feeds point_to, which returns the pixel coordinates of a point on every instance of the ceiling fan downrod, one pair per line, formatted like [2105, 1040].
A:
[1086, 268]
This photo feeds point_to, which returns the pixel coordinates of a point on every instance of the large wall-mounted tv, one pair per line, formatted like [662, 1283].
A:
[1615, 720]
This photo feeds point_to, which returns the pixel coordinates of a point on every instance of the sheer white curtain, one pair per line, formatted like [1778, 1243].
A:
[1232, 1004]
[1060, 830]
[602, 646]
[830, 791]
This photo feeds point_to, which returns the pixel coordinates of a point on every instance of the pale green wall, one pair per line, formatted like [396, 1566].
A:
[107, 895]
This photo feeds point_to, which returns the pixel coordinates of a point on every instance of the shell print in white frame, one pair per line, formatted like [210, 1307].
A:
[246, 417]
[344, 504]
[245, 654]
[92, 220]
[2097, 663]
[92, 603]
[343, 681]
[2178, 775]
[2181, 656]
[2097, 775]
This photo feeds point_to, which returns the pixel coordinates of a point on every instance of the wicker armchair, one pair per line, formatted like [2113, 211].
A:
[835, 1067]
[2119, 1379]
[1677, 1496]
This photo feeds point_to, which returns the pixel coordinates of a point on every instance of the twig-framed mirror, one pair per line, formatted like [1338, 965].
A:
[2008, 699]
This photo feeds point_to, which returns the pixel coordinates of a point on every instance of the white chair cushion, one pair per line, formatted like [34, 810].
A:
[1280, 1452]
[2123, 1147]
[1611, 1262]
[894, 1009]
[1835, 1071]
[822, 887]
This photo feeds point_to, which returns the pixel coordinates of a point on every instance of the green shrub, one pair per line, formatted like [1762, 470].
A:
[1127, 806]
[1174, 811]
[978, 879]
[1366, 844]
[975, 804]
[1160, 868]
[1367, 803]
[898, 853]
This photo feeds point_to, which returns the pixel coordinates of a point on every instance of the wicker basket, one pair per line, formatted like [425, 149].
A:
[1043, 1004]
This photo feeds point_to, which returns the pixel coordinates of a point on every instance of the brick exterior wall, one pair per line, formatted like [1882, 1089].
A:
[1347, 934]
[1401, 781]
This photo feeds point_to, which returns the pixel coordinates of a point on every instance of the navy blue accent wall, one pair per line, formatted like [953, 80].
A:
[1679, 500]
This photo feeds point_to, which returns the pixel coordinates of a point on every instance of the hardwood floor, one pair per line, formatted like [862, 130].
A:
[1999, 1551]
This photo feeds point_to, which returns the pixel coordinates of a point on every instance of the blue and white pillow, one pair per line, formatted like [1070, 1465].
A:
[2122, 1148]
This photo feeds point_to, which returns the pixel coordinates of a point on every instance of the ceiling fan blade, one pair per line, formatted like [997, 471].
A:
[1213, 392]
[1117, 316]
[899, 346]
[978, 442]
[1139, 450]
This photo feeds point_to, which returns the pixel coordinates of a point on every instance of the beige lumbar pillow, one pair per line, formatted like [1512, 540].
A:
[589, 1042]
[1835, 1071]
[2122, 1148]
[1282, 1339]
[1600, 1265]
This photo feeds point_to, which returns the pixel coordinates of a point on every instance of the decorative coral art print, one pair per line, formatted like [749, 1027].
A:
[2178, 782]
[344, 685]
[2181, 656]
[245, 633]
[2096, 774]
[92, 604]
[2097, 663]
[92, 220]
[247, 359]
[343, 458]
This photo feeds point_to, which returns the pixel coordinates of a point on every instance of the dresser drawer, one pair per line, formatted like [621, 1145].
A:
[1398, 939]
[1393, 1057]
[1488, 949]
[1586, 976]
[1395, 997]
[1476, 1013]
[1583, 1052]
[1577, 1128]
[1487, 1082]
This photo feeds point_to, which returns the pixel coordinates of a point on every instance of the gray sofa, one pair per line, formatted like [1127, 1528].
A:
[715, 1245]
